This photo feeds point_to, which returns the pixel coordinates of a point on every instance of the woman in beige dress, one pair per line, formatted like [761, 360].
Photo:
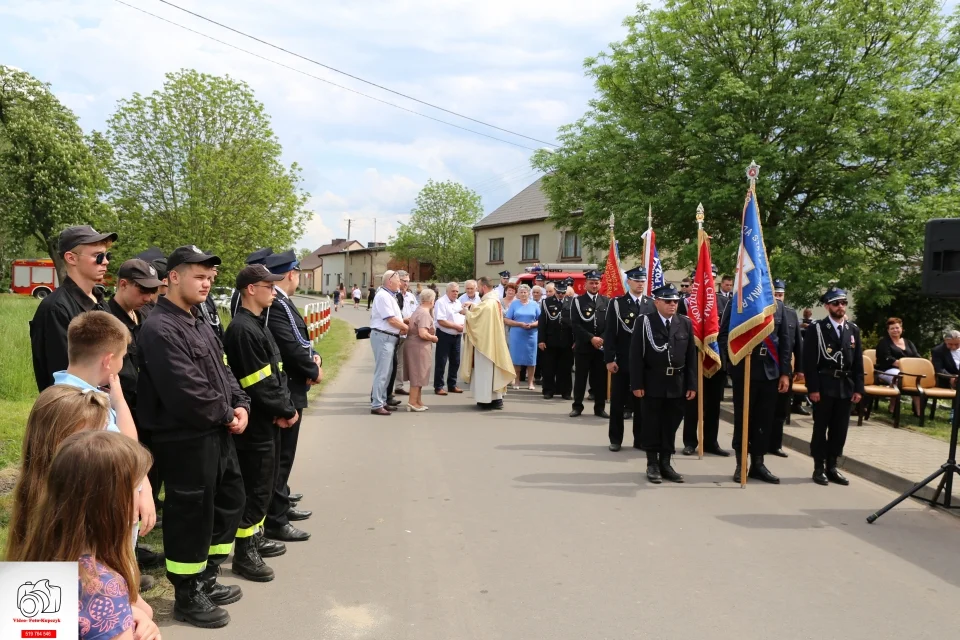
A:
[417, 354]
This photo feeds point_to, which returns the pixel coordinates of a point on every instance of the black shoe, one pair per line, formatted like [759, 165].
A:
[653, 473]
[295, 497]
[548, 396]
[298, 514]
[819, 475]
[147, 559]
[393, 402]
[602, 414]
[268, 548]
[497, 404]
[538, 381]
[834, 475]
[567, 396]
[287, 533]
[689, 450]
[485, 406]
[614, 447]
[717, 451]
[575, 413]
[737, 472]
[780, 453]
[192, 605]
[667, 471]
[219, 594]
[636, 445]
[801, 410]
[628, 415]
[247, 562]
[590, 396]
[759, 471]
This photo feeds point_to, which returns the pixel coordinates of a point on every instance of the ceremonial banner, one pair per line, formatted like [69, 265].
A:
[753, 304]
[612, 283]
[702, 308]
[651, 261]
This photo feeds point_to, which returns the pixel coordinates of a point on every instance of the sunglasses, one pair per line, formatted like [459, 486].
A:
[838, 303]
[99, 257]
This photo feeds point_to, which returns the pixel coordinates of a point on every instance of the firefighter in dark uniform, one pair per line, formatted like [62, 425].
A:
[833, 368]
[555, 343]
[255, 360]
[622, 316]
[191, 403]
[770, 373]
[156, 259]
[589, 320]
[792, 320]
[257, 257]
[302, 366]
[663, 374]
[567, 295]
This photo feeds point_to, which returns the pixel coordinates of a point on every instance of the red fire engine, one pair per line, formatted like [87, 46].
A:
[33, 277]
[555, 273]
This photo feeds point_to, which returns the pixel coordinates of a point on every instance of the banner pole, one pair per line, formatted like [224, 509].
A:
[700, 405]
[701, 352]
[745, 431]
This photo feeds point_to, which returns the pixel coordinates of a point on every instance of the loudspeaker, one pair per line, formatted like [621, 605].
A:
[941, 258]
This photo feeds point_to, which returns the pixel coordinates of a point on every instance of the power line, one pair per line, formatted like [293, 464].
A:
[350, 75]
[324, 80]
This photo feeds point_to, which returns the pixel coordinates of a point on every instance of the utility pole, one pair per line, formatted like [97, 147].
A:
[346, 262]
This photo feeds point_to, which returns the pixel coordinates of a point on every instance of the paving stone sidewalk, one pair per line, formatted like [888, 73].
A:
[893, 458]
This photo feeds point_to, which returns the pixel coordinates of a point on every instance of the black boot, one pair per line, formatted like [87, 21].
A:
[219, 594]
[248, 563]
[759, 471]
[737, 471]
[818, 473]
[192, 605]
[268, 548]
[653, 468]
[834, 474]
[667, 471]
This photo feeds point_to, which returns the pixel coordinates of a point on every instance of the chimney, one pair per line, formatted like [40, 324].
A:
[338, 240]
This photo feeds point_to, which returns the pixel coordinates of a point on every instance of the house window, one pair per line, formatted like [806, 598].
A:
[496, 249]
[328, 279]
[364, 277]
[571, 245]
[531, 248]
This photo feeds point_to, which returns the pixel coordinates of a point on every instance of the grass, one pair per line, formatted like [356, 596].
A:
[334, 348]
[938, 428]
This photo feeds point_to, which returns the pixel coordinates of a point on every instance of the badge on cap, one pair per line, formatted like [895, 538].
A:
[194, 248]
[153, 271]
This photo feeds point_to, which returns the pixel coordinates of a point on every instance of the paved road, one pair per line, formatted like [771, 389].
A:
[520, 524]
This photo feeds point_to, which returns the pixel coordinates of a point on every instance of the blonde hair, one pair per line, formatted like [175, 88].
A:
[94, 334]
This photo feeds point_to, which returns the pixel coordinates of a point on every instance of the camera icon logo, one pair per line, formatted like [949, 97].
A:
[34, 598]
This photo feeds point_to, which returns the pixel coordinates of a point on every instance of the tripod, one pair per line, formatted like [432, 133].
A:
[947, 469]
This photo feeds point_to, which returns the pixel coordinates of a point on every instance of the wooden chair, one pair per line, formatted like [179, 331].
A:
[873, 391]
[795, 388]
[942, 376]
[918, 379]
[872, 354]
[875, 402]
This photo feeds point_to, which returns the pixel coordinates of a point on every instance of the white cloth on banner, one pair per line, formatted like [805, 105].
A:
[482, 386]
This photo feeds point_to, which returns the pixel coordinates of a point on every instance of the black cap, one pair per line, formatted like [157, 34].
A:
[779, 285]
[254, 273]
[832, 295]
[141, 272]
[637, 274]
[666, 292]
[504, 274]
[592, 274]
[259, 256]
[713, 270]
[282, 262]
[561, 286]
[151, 254]
[73, 237]
[189, 254]
[568, 281]
[539, 276]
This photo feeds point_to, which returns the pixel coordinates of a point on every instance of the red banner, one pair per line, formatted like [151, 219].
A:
[702, 309]
[612, 283]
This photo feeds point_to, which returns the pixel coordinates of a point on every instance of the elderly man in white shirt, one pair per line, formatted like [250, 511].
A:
[471, 294]
[386, 328]
[449, 319]
[410, 305]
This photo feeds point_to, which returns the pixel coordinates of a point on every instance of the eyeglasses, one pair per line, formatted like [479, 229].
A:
[684, 286]
[262, 286]
[838, 303]
[671, 301]
[98, 257]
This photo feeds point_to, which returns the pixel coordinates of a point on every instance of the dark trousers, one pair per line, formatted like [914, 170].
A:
[448, 349]
[146, 439]
[203, 502]
[621, 399]
[286, 452]
[763, 400]
[557, 365]
[259, 471]
[831, 417]
[393, 372]
[658, 427]
[590, 366]
[712, 397]
[780, 413]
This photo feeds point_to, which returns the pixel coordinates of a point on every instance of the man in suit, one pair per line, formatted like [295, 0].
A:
[770, 370]
[555, 344]
[589, 319]
[833, 367]
[946, 359]
[663, 374]
[795, 333]
[622, 317]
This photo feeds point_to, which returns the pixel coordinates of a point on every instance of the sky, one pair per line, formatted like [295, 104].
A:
[517, 64]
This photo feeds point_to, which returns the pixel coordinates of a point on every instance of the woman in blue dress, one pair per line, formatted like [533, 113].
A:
[522, 316]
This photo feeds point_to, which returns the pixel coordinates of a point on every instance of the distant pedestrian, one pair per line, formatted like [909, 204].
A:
[336, 299]
[356, 294]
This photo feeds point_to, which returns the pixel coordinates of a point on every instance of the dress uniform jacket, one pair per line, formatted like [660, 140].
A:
[622, 316]
[48, 329]
[669, 373]
[550, 329]
[255, 360]
[290, 333]
[833, 365]
[589, 320]
[763, 366]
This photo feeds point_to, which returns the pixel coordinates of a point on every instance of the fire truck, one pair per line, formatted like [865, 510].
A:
[33, 277]
[555, 273]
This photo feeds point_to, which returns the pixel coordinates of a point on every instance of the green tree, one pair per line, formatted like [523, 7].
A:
[440, 229]
[850, 108]
[50, 174]
[198, 163]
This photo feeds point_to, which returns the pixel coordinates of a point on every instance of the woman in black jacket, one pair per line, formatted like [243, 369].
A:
[889, 351]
